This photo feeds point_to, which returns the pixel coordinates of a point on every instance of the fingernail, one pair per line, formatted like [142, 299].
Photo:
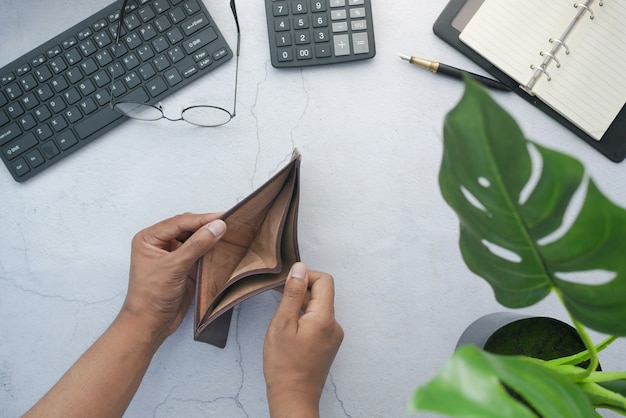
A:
[217, 227]
[298, 271]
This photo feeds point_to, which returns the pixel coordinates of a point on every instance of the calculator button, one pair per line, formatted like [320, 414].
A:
[280, 9]
[301, 22]
[340, 27]
[322, 51]
[342, 45]
[299, 7]
[358, 25]
[320, 21]
[285, 54]
[360, 43]
[318, 6]
[357, 13]
[281, 25]
[304, 53]
[337, 3]
[283, 39]
[338, 14]
[321, 36]
[303, 37]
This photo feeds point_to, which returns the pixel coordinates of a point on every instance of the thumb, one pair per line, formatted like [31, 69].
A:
[201, 242]
[293, 295]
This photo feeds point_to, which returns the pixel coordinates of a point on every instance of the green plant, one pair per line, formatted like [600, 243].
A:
[511, 196]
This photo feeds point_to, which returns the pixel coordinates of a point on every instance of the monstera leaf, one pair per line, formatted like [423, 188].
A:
[532, 221]
[472, 383]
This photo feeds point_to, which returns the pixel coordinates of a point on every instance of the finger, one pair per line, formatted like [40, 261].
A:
[177, 227]
[200, 242]
[322, 293]
[293, 296]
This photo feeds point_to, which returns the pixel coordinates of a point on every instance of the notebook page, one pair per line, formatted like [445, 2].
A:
[589, 88]
[511, 33]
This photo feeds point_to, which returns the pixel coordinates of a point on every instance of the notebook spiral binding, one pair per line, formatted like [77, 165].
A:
[558, 44]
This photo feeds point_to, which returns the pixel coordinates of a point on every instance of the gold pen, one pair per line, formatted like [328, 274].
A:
[439, 68]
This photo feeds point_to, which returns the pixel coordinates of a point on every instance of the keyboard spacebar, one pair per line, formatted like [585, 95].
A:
[106, 116]
[97, 121]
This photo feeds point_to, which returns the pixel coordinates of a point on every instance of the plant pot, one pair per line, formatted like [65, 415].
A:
[511, 333]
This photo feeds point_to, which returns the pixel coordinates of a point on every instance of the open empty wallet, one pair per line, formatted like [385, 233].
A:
[254, 255]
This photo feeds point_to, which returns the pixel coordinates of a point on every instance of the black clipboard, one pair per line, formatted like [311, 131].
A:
[448, 27]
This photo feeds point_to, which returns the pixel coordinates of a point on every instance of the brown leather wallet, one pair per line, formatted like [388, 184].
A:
[254, 255]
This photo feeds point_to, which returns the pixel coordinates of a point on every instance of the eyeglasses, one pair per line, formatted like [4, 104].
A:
[199, 115]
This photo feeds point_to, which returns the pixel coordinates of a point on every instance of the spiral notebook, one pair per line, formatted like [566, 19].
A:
[566, 57]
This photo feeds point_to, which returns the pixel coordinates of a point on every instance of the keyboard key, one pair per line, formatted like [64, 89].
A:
[43, 74]
[59, 84]
[50, 150]
[156, 86]
[84, 34]
[88, 106]
[177, 15]
[89, 67]
[199, 40]
[4, 119]
[191, 7]
[20, 167]
[195, 24]
[173, 77]
[23, 69]
[146, 14]
[34, 158]
[13, 91]
[15, 110]
[95, 122]
[43, 132]
[38, 60]
[20, 146]
[29, 101]
[69, 43]
[73, 56]
[74, 75]
[160, 6]
[27, 122]
[43, 113]
[58, 65]
[9, 132]
[88, 48]
[44, 92]
[73, 115]
[56, 105]
[66, 140]
[7, 78]
[174, 36]
[54, 51]
[28, 82]
[72, 96]
[102, 39]
[58, 123]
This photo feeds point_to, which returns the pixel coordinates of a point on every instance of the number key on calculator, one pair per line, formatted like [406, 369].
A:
[313, 32]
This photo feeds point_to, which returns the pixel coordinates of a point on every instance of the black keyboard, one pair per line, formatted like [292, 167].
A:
[56, 98]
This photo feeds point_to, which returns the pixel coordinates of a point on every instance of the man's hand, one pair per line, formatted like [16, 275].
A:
[300, 348]
[162, 270]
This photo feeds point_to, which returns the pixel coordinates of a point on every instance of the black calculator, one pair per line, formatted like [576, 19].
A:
[314, 32]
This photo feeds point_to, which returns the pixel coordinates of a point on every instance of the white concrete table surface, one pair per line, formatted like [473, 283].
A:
[371, 214]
